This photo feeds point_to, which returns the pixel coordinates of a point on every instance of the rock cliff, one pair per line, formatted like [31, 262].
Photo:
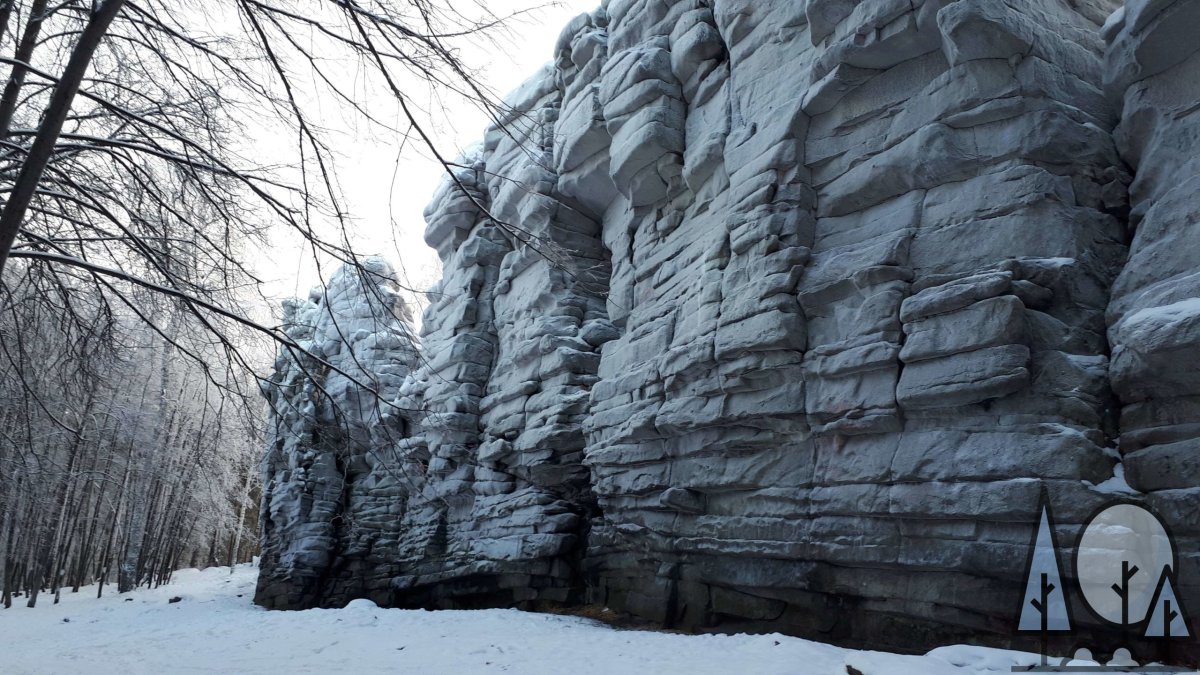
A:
[792, 311]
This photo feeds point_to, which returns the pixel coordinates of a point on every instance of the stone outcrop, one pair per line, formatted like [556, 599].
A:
[334, 490]
[779, 315]
[1153, 74]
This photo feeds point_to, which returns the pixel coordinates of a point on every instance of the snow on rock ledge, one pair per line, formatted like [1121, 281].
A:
[820, 297]
[329, 483]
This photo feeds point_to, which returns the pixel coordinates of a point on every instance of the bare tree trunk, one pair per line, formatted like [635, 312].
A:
[12, 567]
[6, 531]
[6, 9]
[243, 498]
[129, 574]
[65, 527]
[87, 551]
[24, 54]
[109, 549]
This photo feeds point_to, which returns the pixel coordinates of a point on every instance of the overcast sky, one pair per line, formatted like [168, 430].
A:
[380, 190]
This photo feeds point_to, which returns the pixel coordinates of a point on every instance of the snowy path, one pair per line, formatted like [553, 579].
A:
[216, 629]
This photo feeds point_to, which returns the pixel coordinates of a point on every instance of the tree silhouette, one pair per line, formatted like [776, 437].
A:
[1166, 618]
[1122, 590]
[1044, 607]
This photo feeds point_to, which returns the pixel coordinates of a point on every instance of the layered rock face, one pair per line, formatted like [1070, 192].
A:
[780, 315]
[1153, 72]
[334, 492]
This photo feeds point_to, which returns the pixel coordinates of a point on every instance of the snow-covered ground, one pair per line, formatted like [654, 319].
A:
[216, 628]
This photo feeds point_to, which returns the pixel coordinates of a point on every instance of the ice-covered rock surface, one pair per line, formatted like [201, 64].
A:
[799, 307]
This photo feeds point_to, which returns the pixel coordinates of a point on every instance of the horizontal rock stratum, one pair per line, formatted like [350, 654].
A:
[795, 311]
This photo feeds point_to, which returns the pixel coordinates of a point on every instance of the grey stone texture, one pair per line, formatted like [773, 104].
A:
[331, 486]
[796, 309]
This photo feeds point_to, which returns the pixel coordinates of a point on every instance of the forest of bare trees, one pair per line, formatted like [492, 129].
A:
[137, 215]
[121, 460]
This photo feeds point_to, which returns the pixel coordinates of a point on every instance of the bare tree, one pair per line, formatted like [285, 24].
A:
[112, 457]
[122, 158]
[131, 213]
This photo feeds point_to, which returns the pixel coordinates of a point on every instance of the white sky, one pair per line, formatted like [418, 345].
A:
[368, 162]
